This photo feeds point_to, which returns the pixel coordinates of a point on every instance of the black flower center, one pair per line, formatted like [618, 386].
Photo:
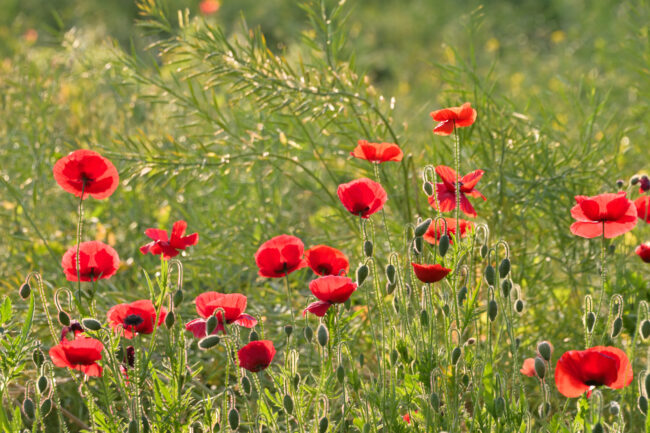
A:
[132, 320]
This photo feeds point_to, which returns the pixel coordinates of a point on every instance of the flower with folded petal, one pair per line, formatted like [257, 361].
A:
[228, 308]
[324, 260]
[642, 205]
[330, 289]
[169, 246]
[280, 256]
[437, 229]
[445, 199]
[430, 273]
[256, 355]
[96, 261]
[138, 317]
[87, 171]
[377, 152]
[454, 117]
[81, 354]
[643, 251]
[362, 197]
[611, 212]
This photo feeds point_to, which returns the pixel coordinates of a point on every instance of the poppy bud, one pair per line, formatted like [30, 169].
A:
[616, 327]
[443, 245]
[424, 318]
[634, 180]
[178, 298]
[64, 318]
[28, 408]
[517, 342]
[645, 329]
[504, 267]
[519, 306]
[24, 291]
[646, 384]
[445, 309]
[38, 357]
[462, 295]
[246, 385]
[465, 379]
[133, 427]
[492, 309]
[362, 274]
[367, 248]
[309, 333]
[91, 324]
[545, 350]
[393, 357]
[42, 384]
[540, 367]
[543, 409]
[643, 405]
[470, 341]
[499, 406]
[455, 355]
[296, 380]
[506, 286]
[435, 400]
[233, 418]
[208, 342]
[361, 360]
[490, 275]
[418, 245]
[288, 403]
[620, 183]
[253, 336]
[340, 373]
[484, 251]
[390, 274]
[590, 321]
[421, 228]
[428, 188]
[211, 324]
[46, 407]
[614, 408]
[323, 335]
[288, 329]
[170, 319]
[598, 428]
[390, 288]
[323, 424]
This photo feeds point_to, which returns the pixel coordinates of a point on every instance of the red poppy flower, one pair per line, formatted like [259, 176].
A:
[211, 303]
[88, 171]
[452, 117]
[330, 289]
[436, 230]
[209, 7]
[377, 152]
[430, 273]
[280, 256]
[528, 369]
[256, 355]
[613, 210]
[579, 370]
[362, 197]
[169, 247]
[324, 260]
[446, 191]
[137, 317]
[96, 261]
[643, 207]
[643, 251]
[81, 354]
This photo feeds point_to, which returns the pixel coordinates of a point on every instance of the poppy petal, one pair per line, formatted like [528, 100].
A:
[318, 308]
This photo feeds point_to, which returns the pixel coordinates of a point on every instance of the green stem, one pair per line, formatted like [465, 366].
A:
[383, 212]
[603, 270]
[79, 230]
[289, 299]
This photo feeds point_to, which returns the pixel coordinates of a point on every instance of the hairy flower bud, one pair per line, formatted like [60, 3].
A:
[443, 244]
[362, 274]
[492, 310]
[367, 248]
[484, 251]
[598, 428]
[455, 355]
[617, 326]
[246, 385]
[24, 291]
[519, 306]
[208, 342]
[499, 406]
[418, 245]
[462, 295]
[590, 321]
[322, 335]
[504, 267]
[424, 318]
[340, 373]
[545, 350]
[288, 404]
[643, 405]
[428, 188]
[177, 298]
[490, 275]
[28, 408]
[288, 330]
[645, 329]
[253, 336]
[38, 357]
[323, 424]
[170, 319]
[46, 407]
[233, 418]
[64, 318]
[309, 333]
[211, 324]
[390, 273]
[91, 324]
[42, 384]
[506, 286]
[540, 367]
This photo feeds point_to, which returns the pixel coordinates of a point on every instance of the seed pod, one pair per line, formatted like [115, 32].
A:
[506, 286]
[38, 357]
[428, 188]
[42, 384]
[170, 319]
[484, 251]
[91, 324]
[28, 408]
[177, 299]
[390, 273]
[323, 335]
[545, 350]
[424, 318]
[133, 427]
[616, 327]
[208, 342]
[418, 245]
[390, 288]
[462, 295]
[233, 418]
[443, 244]
[340, 373]
[435, 401]
[288, 330]
[590, 321]
[614, 408]
[421, 228]
[519, 306]
[643, 405]
[362, 274]
[288, 403]
[645, 329]
[246, 385]
[504, 267]
[367, 248]
[540, 367]
[253, 336]
[323, 424]
[46, 407]
[24, 291]
[455, 355]
[490, 275]
[211, 324]
[499, 406]
[308, 333]
[598, 428]
[393, 357]
[646, 384]
[492, 309]
[64, 318]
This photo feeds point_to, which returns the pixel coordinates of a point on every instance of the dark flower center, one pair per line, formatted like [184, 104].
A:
[593, 383]
[324, 270]
[132, 320]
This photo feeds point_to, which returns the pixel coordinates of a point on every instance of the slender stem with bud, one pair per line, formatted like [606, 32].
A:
[79, 230]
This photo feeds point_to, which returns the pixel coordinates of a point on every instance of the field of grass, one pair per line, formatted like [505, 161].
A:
[241, 123]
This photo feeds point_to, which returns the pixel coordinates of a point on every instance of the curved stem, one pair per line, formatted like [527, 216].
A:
[383, 212]
[603, 271]
[79, 230]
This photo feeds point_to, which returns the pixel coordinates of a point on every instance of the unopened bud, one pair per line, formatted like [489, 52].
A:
[455, 355]
[24, 291]
[645, 329]
[643, 405]
[91, 324]
[540, 367]
[545, 350]
[620, 183]
[322, 335]
[208, 342]
[435, 400]
[233, 418]
[367, 248]
[492, 310]
[418, 245]
[465, 380]
[428, 188]
[390, 288]
[598, 428]
[170, 319]
[462, 295]
[246, 385]
[490, 275]
[646, 384]
[362, 274]
[421, 228]
[614, 408]
[46, 407]
[499, 406]
[38, 357]
[504, 267]
[506, 286]
[323, 424]
[177, 299]
[519, 306]
[617, 326]
[211, 324]
[308, 333]
[390, 273]
[64, 318]
[28, 408]
[484, 251]
[590, 321]
[146, 428]
[340, 373]
[393, 357]
[288, 403]
[443, 244]
[42, 384]
[634, 180]
[288, 330]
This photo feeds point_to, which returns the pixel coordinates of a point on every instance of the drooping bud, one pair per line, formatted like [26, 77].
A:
[233, 418]
[362, 274]
[288, 330]
[421, 228]
[390, 273]
[614, 408]
[42, 384]
[390, 288]
[288, 403]
[211, 324]
[91, 324]
[146, 428]
[590, 321]
[540, 367]
[634, 180]
[46, 407]
[465, 380]
[24, 291]
[506, 286]
[545, 350]
[435, 401]
[643, 405]
[484, 251]
[323, 424]
[246, 385]
[462, 295]
[177, 298]
[620, 183]
[308, 333]
[490, 275]
[428, 188]
[253, 336]
[340, 373]
[499, 406]
[322, 335]
[443, 244]
[645, 329]
[617, 325]
[208, 342]
[504, 267]
[367, 248]
[519, 306]
[28, 408]
[455, 355]
[170, 319]
[38, 357]
[64, 318]
[598, 428]
[418, 244]
[424, 318]
[393, 357]
[646, 384]
[492, 309]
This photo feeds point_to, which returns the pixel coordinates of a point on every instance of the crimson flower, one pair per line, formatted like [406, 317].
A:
[611, 211]
[88, 171]
[643, 207]
[96, 261]
[578, 371]
[81, 354]
[362, 197]
[324, 260]
[446, 191]
[528, 369]
[256, 355]
[212, 303]
[452, 117]
[330, 289]
[169, 247]
[643, 251]
[430, 273]
[280, 256]
[377, 152]
[437, 229]
[209, 7]
[137, 317]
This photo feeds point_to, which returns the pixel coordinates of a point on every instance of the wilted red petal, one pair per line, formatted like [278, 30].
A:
[528, 368]
[318, 308]
[430, 273]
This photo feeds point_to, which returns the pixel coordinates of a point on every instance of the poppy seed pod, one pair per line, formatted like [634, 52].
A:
[462, 295]
[490, 275]
[455, 355]
[64, 318]
[322, 335]
[390, 273]
[443, 245]
[170, 319]
[519, 306]
[308, 333]
[233, 418]
[28, 408]
[288, 403]
[24, 291]
[323, 424]
[362, 274]
[421, 228]
[428, 188]
[506, 286]
[504, 267]
[288, 330]
[492, 310]
[645, 329]
[91, 324]
[177, 298]
[367, 248]
[211, 324]
[246, 384]
[42, 384]
[590, 321]
[46, 407]
[545, 350]
[643, 405]
[540, 367]
[617, 326]
[340, 373]
[209, 342]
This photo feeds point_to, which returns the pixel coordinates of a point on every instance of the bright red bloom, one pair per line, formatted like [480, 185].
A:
[209, 7]
[377, 152]
[362, 197]
[430, 273]
[96, 261]
[643, 207]
[324, 260]
[87, 170]
[446, 191]
[256, 355]
[452, 117]
[280, 256]
[613, 210]
[528, 369]
[137, 317]
[211, 303]
[578, 370]
[643, 251]
[436, 230]
[330, 289]
[169, 247]
[81, 354]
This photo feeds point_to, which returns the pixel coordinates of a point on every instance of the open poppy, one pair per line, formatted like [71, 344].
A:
[446, 191]
[642, 205]
[430, 273]
[377, 152]
[324, 260]
[137, 317]
[612, 212]
[87, 171]
[96, 261]
[643, 251]
[528, 369]
[280, 256]
[453, 117]
[578, 371]
[81, 354]
[231, 305]
[362, 197]
[169, 247]
[437, 229]
[330, 289]
[256, 355]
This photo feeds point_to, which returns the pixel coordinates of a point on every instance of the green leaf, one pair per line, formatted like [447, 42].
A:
[5, 310]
